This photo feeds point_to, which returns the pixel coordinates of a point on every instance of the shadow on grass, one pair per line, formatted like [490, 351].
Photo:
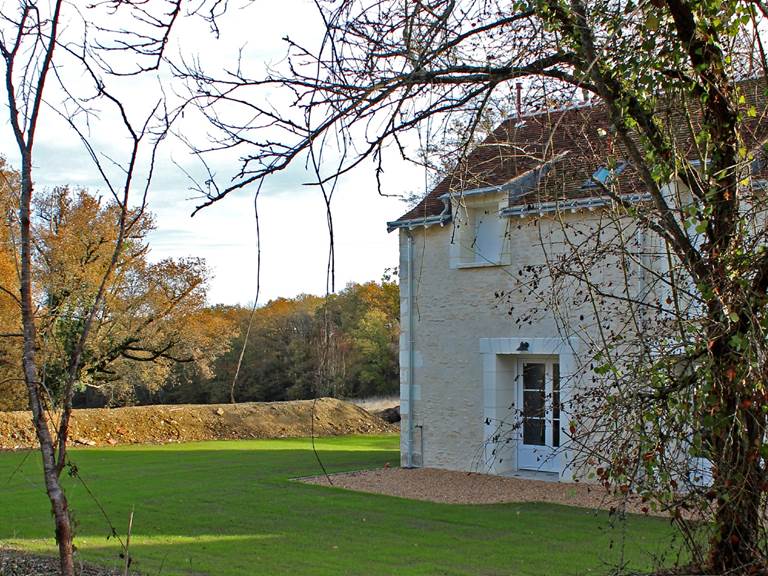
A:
[229, 508]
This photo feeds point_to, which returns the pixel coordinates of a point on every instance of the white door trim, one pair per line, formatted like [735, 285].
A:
[495, 353]
[534, 456]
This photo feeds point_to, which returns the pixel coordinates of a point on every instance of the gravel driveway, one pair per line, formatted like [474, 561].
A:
[19, 563]
[470, 488]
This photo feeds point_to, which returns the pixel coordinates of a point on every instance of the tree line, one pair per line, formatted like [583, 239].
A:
[154, 337]
[344, 345]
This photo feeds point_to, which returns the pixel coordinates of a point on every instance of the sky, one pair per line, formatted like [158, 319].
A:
[294, 233]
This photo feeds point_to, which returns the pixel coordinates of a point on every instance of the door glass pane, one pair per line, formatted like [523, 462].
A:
[534, 404]
[533, 431]
[533, 376]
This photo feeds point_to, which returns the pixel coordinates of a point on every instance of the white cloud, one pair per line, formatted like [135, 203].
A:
[294, 237]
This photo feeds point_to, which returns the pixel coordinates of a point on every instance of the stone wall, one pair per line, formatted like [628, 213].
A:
[455, 307]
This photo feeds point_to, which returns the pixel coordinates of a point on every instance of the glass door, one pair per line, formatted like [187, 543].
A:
[539, 399]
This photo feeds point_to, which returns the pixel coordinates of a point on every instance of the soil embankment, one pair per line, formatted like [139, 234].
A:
[187, 423]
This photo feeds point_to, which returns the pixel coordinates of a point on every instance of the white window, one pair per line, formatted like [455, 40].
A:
[479, 237]
[668, 279]
[486, 243]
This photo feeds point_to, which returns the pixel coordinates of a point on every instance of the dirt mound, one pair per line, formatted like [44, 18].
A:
[185, 423]
[391, 415]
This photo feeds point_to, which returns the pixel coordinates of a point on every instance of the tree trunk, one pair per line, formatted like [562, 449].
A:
[36, 400]
[737, 440]
[734, 545]
[64, 534]
[738, 486]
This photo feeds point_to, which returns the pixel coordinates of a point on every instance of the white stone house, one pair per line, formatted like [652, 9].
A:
[485, 378]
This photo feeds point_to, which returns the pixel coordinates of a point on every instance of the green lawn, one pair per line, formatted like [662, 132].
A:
[226, 508]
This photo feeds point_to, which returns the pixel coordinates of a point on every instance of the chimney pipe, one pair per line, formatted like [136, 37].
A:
[518, 104]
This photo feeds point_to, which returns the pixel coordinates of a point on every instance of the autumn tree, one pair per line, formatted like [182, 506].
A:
[12, 392]
[656, 68]
[153, 314]
[153, 317]
[343, 345]
[367, 317]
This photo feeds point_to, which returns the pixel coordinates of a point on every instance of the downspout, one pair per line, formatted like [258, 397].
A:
[411, 353]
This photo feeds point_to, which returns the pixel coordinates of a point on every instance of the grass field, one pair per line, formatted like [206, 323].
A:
[229, 508]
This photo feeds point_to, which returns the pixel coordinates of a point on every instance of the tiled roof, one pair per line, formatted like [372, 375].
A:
[575, 142]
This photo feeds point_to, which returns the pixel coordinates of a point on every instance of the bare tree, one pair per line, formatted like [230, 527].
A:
[41, 45]
[385, 67]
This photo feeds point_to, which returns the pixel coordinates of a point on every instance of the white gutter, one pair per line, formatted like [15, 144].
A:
[411, 353]
[427, 221]
[417, 222]
[572, 205]
[518, 186]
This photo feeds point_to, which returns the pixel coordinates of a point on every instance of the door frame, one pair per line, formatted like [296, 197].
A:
[539, 457]
[499, 390]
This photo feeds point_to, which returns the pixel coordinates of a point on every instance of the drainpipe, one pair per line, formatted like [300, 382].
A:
[411, 354]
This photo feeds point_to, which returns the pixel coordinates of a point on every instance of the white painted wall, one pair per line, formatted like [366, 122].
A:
[459, 318]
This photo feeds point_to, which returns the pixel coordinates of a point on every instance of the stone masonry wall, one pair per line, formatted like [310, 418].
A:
[454, 307]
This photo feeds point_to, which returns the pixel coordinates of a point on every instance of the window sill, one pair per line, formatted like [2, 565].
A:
[484, 264]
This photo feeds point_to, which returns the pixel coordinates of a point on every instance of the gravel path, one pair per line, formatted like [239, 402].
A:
[17, 563]
[452, 487]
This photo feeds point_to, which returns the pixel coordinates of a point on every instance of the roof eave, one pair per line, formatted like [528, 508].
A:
[425, 222]
[591, 203]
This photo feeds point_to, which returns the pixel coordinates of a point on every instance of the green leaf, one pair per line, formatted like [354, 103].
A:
[604, 369]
